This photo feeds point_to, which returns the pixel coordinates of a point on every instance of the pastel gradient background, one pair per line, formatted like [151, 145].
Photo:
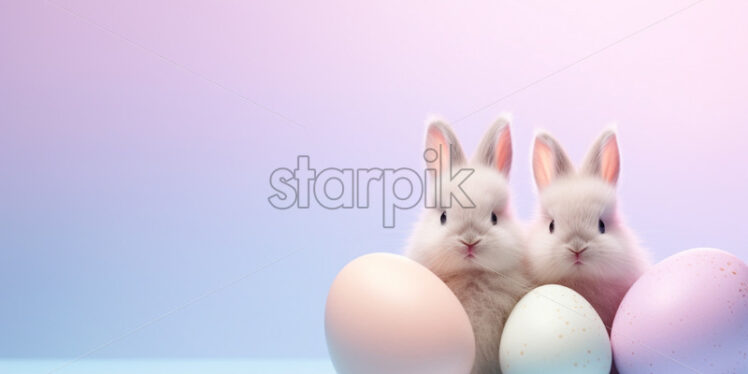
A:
[137, 139]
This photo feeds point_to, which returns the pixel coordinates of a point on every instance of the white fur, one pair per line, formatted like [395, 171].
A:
[491, 283]
[575, 202]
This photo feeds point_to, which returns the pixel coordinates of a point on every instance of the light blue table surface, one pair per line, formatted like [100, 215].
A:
[167, 366]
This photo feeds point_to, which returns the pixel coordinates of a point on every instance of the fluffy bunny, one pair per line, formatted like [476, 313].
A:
[473, 244]
[579, 239]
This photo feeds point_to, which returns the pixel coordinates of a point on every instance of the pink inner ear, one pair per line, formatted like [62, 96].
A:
[437, 142]
[542, 163]
[503, 152]
[610, 162]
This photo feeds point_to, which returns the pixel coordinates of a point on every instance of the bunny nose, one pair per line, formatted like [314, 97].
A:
[470, 246]
[576, 251]
[577, 254]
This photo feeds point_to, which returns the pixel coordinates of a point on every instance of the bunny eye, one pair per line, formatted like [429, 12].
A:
[443, 218]
[601, 226]
[552, 226]
[494, 219]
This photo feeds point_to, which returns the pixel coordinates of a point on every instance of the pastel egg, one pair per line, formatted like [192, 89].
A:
[553, 329]
[687, 314]
[388, 314]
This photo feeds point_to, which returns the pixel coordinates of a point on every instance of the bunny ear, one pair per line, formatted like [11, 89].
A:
[549, 160]
[604, 159]
[495, 150]
[442, 147]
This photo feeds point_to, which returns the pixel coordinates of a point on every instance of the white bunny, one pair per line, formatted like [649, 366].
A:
[579, 239]
[474, 245]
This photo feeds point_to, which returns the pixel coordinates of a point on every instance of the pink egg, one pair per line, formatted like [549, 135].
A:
[687, 314]
[388, 314]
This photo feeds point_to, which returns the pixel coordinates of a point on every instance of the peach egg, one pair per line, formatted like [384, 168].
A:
[388, 314]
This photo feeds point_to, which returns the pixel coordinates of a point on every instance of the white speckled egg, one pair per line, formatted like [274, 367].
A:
[388, 314]
[553, 329]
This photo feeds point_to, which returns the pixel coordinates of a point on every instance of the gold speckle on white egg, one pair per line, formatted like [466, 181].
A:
[562, 329]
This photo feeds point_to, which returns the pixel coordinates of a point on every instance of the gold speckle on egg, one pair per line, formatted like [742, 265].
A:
[560, 336]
